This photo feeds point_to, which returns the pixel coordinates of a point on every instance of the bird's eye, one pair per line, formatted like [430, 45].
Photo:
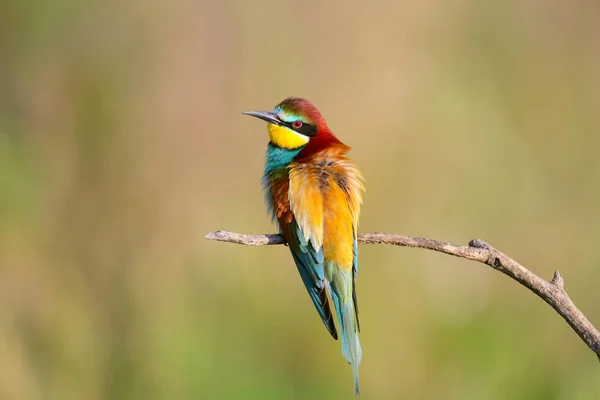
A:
[297, 124]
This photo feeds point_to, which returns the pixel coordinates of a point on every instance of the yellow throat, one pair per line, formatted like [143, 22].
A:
[286, 138]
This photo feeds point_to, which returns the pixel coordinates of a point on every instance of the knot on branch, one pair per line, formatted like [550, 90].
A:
[493, 259]
[479, 244]
[557, 280]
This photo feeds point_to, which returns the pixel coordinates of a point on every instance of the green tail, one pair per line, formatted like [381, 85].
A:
[342, 294]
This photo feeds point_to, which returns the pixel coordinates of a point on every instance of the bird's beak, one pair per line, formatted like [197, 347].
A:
[270, 117]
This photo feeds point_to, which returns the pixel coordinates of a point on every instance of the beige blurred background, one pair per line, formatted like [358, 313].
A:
[122, 145]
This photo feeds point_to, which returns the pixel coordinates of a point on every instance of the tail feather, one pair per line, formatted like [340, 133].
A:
[348, 325]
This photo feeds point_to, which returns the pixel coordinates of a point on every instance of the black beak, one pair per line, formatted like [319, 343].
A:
[270, 117]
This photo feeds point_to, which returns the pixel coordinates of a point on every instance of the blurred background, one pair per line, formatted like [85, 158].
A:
[122, 144]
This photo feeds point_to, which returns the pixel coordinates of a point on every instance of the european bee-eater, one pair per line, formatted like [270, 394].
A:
[314, 191]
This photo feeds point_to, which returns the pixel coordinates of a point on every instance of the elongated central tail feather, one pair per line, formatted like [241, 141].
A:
[348, 324]
[350, 343]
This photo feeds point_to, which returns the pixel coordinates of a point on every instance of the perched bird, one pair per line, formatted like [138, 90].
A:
[314, 192]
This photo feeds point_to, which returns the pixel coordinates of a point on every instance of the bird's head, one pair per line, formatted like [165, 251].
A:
[294, 123]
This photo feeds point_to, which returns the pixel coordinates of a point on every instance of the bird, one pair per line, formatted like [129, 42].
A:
[314, 192]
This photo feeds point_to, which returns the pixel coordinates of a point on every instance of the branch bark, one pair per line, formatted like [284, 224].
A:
[552, 292]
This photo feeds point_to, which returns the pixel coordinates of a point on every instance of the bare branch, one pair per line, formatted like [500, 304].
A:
[552, 292]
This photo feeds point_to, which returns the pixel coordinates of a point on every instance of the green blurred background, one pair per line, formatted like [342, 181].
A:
[122, 145]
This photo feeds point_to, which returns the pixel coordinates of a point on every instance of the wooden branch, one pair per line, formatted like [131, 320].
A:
[552, 292]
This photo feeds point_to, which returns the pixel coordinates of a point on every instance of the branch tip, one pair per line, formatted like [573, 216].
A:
[210, 236]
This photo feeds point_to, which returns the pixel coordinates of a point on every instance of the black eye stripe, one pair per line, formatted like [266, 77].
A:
[306, 129]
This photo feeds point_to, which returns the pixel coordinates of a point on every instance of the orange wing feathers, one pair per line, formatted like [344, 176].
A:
[325, 197]
[306, 201]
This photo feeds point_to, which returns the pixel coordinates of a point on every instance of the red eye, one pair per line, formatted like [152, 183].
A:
[297, 124]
